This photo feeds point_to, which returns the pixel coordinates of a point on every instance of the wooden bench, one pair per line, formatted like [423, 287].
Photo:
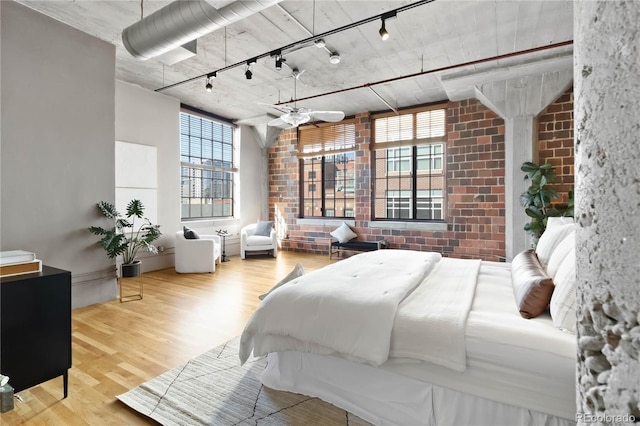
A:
[336, 247]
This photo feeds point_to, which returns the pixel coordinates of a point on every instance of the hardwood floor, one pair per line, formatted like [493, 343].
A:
[117, 346]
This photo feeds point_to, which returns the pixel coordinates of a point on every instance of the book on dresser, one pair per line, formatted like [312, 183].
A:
[16, 262]
[9, 257]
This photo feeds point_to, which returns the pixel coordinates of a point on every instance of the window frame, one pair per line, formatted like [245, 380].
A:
[319, 147]
[221, 172]
[437, 206]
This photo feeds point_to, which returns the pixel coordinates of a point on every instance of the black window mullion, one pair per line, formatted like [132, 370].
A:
[322, 186]
[414, 182]
[430, 186]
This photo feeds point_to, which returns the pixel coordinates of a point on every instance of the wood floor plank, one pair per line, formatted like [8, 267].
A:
[116, 346]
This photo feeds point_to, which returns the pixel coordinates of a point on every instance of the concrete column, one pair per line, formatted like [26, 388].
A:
[519, 138]
[607, 101]
[518, 101]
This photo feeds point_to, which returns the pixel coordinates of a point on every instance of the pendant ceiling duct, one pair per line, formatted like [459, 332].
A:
[183, 21]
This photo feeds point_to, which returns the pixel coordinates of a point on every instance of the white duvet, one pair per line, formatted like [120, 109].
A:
[347, 308]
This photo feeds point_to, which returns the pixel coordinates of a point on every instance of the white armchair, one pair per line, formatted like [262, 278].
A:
[200, 255]
[251, 242]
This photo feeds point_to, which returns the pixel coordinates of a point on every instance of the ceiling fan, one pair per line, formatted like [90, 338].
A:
[294, 116]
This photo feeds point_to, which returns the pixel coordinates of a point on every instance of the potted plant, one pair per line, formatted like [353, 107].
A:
[537, 199]
[126, 238]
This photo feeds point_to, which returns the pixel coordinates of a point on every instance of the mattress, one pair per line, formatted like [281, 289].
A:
[528, 365]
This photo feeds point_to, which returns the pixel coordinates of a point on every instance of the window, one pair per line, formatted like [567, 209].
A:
[429, 204]
[327, 160]
[430, 157]
[399, 160]
[207, 172]
[409, 155]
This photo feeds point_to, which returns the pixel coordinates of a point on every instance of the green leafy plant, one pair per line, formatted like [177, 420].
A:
[569, 210]
[126, 238]
[537, 199]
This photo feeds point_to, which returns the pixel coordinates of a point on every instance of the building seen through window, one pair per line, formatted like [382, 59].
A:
[328, 170]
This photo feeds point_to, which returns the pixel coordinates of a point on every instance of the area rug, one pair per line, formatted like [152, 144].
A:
[213, 389]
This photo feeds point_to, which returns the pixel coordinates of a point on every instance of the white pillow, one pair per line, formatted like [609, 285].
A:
[343, 233]
[555, 221]
[563, 300]
[296, 272]
[561, 251]
[549, 240]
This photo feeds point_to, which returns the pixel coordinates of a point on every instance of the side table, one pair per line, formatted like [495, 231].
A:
[224, 235]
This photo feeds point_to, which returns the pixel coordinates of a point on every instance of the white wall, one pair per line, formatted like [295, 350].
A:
[62, 111]
[149, 118]
[57, 106]
[254, 176]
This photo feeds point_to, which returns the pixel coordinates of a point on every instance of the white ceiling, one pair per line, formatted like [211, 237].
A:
[431, 36]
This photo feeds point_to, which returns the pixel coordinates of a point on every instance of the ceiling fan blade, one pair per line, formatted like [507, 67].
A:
[279, 123]
[281, 108]
[331, 116]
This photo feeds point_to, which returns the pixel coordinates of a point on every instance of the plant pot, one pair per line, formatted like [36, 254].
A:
[130, 270]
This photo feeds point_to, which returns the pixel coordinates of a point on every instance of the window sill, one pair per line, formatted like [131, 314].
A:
[380, 224]
[325, 221]
[412, 226]
[203, 223]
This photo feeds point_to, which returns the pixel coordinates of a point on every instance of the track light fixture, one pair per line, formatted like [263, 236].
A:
[248, 74]
[384, 34]
[334, 58]
[279, 62]
[210, 77]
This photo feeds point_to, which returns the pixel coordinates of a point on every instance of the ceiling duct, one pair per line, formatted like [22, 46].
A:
[183, 21]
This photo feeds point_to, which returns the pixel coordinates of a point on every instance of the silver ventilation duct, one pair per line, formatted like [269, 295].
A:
[183, 21]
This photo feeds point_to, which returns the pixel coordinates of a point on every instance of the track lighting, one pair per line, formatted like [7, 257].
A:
[384, 34]
[209, 86]
[316, 39]
[248, 74]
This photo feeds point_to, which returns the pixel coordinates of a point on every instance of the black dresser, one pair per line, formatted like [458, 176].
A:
[35, 321]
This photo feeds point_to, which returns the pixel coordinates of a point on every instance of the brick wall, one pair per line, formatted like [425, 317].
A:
[555, 139]
[475, 183]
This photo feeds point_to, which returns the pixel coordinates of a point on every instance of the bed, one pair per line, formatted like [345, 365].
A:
[413, 338]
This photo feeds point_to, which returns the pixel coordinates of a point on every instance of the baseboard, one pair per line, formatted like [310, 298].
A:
[93, 287]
